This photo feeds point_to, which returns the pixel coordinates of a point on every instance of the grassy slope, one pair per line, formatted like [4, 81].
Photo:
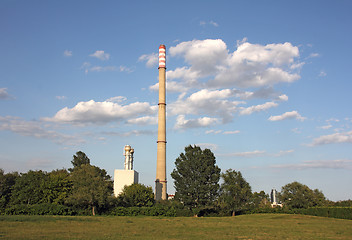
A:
[259, 226]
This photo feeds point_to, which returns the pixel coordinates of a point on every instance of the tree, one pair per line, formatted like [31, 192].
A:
[92, 187]
[79, 159]
[136, 195]
[7, 181]
[29, 188]
[235, 191]
[298, 195]
[260, 200]
[196, 177]
[58, 186]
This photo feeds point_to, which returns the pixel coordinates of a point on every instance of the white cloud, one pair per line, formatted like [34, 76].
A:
[208, 102]
[341, 137]
[283, 97]
[213, 132]
[213, 147]
[100, 55]
[67, 53]
[231, 132]
[258, 108]
[283, 152]
[4, 94]
[326, 127]
[330, 164]
[204, 56]
[287, 115]
[130, 133]
[36, 129]
[146, 120]
[322, 74]
[182, 123]
[101, 112]
[150, 59]
[61, 97]
[255, 153]
[214, 24]
[171, 86]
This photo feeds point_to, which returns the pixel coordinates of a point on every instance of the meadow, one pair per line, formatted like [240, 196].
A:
[256, 226]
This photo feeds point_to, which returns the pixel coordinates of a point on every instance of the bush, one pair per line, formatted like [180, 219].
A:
[39, 209]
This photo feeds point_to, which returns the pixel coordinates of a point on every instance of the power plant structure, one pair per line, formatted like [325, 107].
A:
[127, 176]
[160, 182]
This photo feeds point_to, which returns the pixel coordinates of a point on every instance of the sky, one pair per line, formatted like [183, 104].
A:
[265, 85]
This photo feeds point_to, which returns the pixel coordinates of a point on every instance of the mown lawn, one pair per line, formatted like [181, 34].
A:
[257, 226]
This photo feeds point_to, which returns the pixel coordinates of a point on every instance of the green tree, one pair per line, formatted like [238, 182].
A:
[92, 187]
[235, 193]
[298, 195]
[29, 188]
[57, 187]
[136, 195]
[196, 177]
[260, 200]
[79, 159]
[7, 181]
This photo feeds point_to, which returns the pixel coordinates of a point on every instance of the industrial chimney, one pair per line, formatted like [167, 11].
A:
[160, 182]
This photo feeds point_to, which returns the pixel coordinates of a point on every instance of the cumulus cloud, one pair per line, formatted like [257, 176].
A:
[287, 115]
[100, 55]
[150, 59]
[208, 102]
[204, 56]
[258, 108]
[4, 94]
[170, 87]
[182, 123]
[146, 120]
[102, 112]
[341, 137]
[330, 164]
[35, 129]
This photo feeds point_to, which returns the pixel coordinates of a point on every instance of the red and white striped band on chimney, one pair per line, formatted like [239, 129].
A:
[162, 56]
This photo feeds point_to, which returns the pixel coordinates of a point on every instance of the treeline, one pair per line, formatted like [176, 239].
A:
[85, 189]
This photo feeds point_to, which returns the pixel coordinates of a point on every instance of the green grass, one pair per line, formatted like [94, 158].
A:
[257, 226]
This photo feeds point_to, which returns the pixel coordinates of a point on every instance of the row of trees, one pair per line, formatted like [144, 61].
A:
[196, 179]
[82, 187]
[85, 187]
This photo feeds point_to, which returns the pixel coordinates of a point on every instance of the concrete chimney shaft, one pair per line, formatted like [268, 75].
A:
[160, 181]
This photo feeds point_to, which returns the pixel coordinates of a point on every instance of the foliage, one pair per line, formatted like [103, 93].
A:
[235, 192]
[333, 212]
[79, 159]
[196, 177]
[91, 187]
[29, 188]
[260, 200]
[297, 195]
[7, 181]
[40, 209]
[136, 195]
[57, 187]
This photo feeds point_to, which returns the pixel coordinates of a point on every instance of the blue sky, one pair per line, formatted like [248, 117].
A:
[265, 85]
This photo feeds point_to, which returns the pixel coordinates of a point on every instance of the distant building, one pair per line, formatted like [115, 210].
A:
[127, 176]
[273, 198]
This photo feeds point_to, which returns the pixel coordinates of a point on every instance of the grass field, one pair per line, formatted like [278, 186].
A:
[258, 226]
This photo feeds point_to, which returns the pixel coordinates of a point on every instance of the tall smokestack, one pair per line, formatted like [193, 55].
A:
[160, 182]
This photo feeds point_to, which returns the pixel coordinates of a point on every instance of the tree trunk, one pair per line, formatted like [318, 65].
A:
[233, 213]
[93, 210]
